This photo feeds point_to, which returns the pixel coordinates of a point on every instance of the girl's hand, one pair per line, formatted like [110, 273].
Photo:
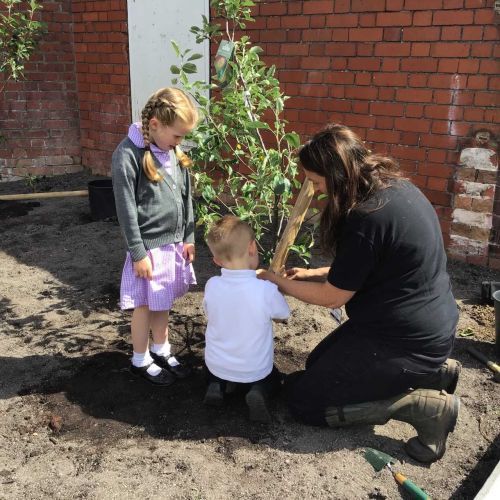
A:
[297, 273]
[188, 252]
[144, 268]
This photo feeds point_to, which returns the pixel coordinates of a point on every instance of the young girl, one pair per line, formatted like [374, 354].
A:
[154, 207]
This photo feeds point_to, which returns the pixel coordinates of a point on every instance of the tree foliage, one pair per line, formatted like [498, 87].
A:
[244, 156]
[19, 35]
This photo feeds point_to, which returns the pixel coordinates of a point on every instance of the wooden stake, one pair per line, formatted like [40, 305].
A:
[34, 196]
[293, 226]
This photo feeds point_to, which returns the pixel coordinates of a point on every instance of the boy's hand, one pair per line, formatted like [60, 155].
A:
[144, 268]
[263, 274]
[188, 252]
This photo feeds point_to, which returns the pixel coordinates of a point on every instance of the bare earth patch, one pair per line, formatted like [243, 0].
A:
[76, 424]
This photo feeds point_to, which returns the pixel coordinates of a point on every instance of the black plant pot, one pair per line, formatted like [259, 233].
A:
[101, 199]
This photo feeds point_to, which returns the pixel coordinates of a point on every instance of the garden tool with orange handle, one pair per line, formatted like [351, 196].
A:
[379, 460]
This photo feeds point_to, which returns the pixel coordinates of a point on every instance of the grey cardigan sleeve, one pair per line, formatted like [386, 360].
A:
[188, 207]
[125, 169]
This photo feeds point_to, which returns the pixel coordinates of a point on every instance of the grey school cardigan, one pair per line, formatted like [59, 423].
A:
[151, 214]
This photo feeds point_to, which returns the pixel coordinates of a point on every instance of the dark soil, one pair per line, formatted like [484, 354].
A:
[77, 424]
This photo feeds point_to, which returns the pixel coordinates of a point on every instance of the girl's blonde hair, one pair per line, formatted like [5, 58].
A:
[166, 105]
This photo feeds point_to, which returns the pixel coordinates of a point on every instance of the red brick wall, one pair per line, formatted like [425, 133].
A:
[102, 73]
[415, 78]
[39, 116]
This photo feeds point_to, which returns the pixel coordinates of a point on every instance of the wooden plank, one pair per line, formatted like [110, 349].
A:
[293, 226]
[36, 196]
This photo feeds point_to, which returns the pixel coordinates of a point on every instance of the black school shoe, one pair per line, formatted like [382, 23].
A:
[257, 403]
[180, 371]
[163, 378]
[214, 395]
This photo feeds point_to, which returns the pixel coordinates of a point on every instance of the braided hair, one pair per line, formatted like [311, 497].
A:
[166, 105]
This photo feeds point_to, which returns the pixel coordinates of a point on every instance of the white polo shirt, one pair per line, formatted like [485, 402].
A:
[239, 336]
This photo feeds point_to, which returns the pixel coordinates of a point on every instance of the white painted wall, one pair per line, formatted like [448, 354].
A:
[151, 26]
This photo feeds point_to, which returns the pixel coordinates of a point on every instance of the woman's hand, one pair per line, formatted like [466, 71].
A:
[144, 268]
[188, 252]
[297, 273]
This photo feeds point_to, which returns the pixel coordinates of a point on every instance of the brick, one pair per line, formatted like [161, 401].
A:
[412, 124]
[483, 49]
[367, 20]
[489, 67]
[394, 5]
[442, 49]
[394, 19]
[386, 109]
[472, 33]
[454, 17]
[414, 95]
[272, 9]
[386, 94]
[419, 64]
[342, 20]
[365, 34]
[360, 93]
[420, 49]
[439, 141]
[468, 66]
[393, 34]
[450, 33]
[365, 49]
[477, 82]
[422, 18]
[414, 111]
[392, 49]
[295, 22]
[388, 79]
[423, 4]
[484, 16]
[422, 34]
[340, 49]
[318, 7]
[448, 65]
[486, 99]
[390, 64]
[315, 63]
[364, 64]
[368, 5]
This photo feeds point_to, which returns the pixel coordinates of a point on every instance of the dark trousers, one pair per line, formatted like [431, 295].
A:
[348, 367]
[270, 385]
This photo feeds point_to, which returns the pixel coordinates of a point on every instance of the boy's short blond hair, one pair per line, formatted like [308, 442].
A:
[228, 238]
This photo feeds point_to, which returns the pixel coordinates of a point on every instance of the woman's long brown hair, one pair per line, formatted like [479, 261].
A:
[167, 105]
[352, 174]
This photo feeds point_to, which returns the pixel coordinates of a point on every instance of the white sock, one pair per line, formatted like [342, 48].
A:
[141, 359]
[172, 361]
[161, 349]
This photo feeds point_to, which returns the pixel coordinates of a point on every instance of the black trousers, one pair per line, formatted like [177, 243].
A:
[348, 367]
[270, 385]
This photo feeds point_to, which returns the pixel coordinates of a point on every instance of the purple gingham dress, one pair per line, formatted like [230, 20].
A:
[172, 275]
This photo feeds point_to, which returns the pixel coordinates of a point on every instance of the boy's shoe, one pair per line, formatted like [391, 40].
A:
[163, 378]
[256, 400]
[214, 395]
[180, 371]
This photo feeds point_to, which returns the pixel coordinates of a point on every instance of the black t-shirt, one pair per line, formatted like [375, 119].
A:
[393, 257]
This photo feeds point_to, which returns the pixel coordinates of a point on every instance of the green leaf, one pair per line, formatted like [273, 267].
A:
[189, 68]
[174, 69]
[195, 56]
[293, 139]
[176, 48]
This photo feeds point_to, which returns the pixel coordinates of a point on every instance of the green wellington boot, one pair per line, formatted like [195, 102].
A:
[445, 378]
[432, 413]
